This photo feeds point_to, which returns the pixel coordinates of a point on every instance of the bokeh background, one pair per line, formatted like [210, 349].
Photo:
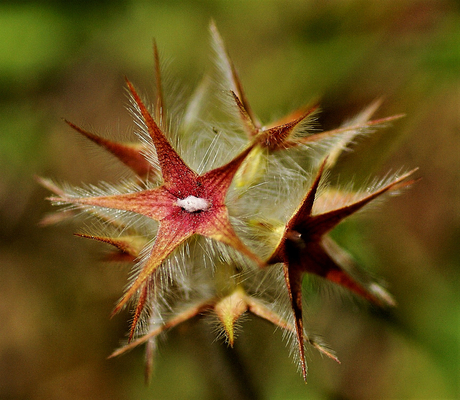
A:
[67, 59]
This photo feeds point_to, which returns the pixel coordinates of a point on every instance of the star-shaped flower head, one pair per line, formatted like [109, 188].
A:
[279, 134]
[185, 204]
[295, 130]
[305, 248]
[227, 302]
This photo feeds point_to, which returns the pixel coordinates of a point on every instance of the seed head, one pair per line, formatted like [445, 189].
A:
[211, 237]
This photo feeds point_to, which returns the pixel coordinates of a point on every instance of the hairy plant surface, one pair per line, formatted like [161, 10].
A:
[226, 215]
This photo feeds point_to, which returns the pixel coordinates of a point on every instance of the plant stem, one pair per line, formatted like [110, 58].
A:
[225, 368]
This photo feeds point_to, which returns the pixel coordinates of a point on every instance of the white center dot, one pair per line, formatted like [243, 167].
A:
[193, 204]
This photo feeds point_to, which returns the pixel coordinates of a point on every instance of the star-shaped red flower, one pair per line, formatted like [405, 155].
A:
[228, 307]
[185, 204]
[305, 248]
[292, 130]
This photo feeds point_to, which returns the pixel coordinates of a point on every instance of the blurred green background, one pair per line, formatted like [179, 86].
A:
[67, 59]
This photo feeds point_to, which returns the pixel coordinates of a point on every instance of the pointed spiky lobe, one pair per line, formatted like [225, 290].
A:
[130, 154]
